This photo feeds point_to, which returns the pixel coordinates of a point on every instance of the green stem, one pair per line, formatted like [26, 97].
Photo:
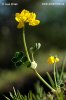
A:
[50, 79]
[32, 57]
[55, 74]
[44, 81]
[25, 46]
[58, 97]
[62, 70]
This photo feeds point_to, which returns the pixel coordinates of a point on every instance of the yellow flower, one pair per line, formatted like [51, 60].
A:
[18, 17]
[20, 25]
[22, 18]
[34, 22]
[32, 17]
[26, 17]
[53, 59]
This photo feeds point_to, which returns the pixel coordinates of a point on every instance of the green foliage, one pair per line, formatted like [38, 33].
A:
[59, 76]
[39, 95]
[19, 59]
[18, 96]
[51, 80]
[39, 92]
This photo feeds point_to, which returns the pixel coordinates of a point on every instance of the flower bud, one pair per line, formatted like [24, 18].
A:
[33, 65]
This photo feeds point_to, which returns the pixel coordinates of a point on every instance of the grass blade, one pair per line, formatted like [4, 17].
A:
[51, 80]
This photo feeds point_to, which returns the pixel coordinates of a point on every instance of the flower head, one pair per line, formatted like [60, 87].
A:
[53, 59]
[26, 17]
[32, 17]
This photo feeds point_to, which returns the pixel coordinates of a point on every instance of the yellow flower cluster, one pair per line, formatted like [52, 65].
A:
[26, 17]
[53, 59]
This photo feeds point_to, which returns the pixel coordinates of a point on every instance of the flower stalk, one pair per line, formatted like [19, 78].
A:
[27, 54]
[32, 56]
[55, 74]
[52, 89]
[25, 46]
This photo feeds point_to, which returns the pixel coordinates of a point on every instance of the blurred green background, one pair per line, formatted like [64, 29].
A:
[51, 33]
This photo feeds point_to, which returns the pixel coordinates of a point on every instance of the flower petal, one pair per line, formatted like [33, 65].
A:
[17, 17]
[34, 22]
[25, 14]
[20, 25]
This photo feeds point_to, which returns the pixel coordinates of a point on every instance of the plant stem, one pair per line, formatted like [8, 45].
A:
[55, 74]
[32, 57]
[50, 79]
[59, 96]
[62, 70]
[25, 46]
[53, 90]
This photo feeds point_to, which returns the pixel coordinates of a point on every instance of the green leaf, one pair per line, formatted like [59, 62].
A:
[20, 59]
[28, 64]
[17, 57]
[14, 59]
[11, 95]
[51, 80]
[59, 80]
[19, 54]
[62, 70]
[14, 91]
[57, 76]
[7, 98]
[24, 59]
[18, 63]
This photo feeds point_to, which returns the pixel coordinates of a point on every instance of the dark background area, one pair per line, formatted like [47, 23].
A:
[51, 33]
